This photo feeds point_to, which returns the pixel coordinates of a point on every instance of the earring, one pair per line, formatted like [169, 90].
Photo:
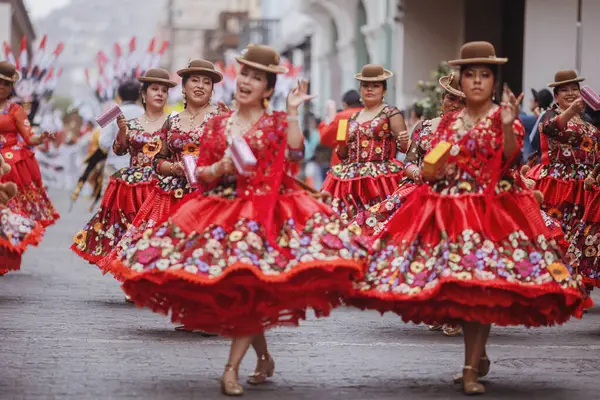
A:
[266, 103]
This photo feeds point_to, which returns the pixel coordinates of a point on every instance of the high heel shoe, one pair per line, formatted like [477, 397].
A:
[231, 387]
[484, 369]
[260, 375]
[472, 388]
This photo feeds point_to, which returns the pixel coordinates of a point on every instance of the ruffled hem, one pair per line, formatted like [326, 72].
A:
[33, 238]
[9, 262]
[242, 301]
[120, 204]
[591, 283]
[558, 191]
[453, 301]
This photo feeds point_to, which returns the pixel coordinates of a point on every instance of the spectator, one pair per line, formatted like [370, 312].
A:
[542, 100]
[416, 116]
[328, 131]
[312, 170]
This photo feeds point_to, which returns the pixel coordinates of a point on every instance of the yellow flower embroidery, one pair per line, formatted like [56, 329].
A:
[236, 236]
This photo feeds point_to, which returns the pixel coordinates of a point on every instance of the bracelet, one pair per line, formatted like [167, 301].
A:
[213, 170]
[292, 118]
[171, 169]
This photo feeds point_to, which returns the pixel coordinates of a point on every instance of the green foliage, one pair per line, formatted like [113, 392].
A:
[432, 102]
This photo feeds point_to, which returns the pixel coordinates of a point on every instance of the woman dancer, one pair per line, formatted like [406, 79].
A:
[182, 134]
[470, 246]
[368, 172]
[373, 220]
[16, 231]
[141, 138]
[247, 251]
[569, 155]
[31, 200]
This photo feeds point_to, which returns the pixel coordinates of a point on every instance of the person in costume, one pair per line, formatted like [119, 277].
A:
[141, 139]
[16, 231]
[31, 200]
[470, 246]
[566, 176]
[374, 220]
[182, 135]
[248, 250]
[368, 172]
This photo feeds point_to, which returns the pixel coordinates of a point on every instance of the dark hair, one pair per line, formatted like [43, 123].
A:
[556, 88]
[352, 98]
[383, 83]
[544, 99]
[418, 109]
[129, 91]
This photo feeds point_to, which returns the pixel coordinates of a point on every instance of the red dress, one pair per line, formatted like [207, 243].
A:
[124, 195]
[169, 190]
[247, 252]
[16, 234]
[374, 220]
[568, 157]
[370, 173]
[31, 200]
[472, 246]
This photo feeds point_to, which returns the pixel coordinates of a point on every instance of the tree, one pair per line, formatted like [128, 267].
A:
[432, 90]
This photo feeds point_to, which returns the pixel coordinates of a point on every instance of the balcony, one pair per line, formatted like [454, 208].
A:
[226, 36]
[258, 31]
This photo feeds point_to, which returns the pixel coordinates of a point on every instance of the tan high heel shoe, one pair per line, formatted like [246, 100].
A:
[484, 369]
[231, 387]
[259, 377]
[472, 388]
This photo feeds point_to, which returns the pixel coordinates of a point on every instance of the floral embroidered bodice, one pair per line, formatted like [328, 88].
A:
[142, 146]
[571, 152]
[372, 141]
[475, 158]
[14, 125]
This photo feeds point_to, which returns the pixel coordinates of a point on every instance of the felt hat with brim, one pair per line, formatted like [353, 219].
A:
[262, 58]
[158, 75]
[8, 72]
[450, 85]
[564, 77]
[478, 53]
[373, 73]
[201, 67]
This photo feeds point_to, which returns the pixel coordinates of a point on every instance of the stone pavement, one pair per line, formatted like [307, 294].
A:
[66, 333]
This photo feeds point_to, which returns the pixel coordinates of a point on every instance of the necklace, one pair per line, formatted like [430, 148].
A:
[193, 117]
[150, 121]
[243, 128]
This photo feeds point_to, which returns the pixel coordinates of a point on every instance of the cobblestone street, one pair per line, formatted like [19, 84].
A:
[67, 333]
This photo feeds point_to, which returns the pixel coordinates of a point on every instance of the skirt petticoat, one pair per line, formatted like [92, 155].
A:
[16, 234]
[211, 267]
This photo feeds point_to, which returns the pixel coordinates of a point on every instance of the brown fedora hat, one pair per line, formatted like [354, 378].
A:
[564, 77]
[158, 75]
[373, 73]
[450, 85]
[263, 58]
[8, 72]
[201, 67]
[478, 53]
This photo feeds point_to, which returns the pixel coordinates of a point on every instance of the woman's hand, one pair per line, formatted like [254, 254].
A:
[510, 106]
[298, 96]
[413, 172]
[122, 123]
[177, 169]
[226, 166]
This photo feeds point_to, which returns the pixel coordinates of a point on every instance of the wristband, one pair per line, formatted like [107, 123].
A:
[292, 118]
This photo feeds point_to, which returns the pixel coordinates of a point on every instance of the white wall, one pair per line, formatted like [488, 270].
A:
[429, 38]
[550, 41]
[5, 24]
[590, 67]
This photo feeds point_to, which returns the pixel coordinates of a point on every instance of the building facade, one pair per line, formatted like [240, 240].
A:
[14, 24]
[411, 37]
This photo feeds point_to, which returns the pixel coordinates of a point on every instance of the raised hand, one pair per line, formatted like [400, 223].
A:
[510, 105]
[299, 95]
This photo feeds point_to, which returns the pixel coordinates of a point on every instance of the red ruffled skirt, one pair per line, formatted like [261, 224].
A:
[356, 187]
[578, 211]
[470, 257]
[211, 266]
[16, 234]
[32, 199]
[126, 192]
[158, 206]
[374, 220]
